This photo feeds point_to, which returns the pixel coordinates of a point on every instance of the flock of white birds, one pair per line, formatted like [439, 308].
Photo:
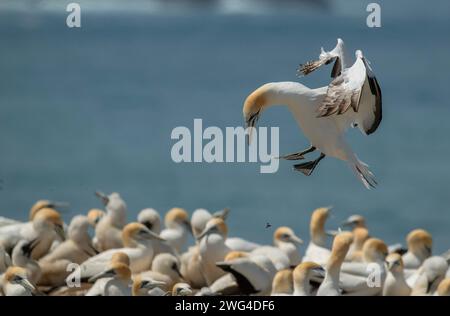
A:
[44, 256]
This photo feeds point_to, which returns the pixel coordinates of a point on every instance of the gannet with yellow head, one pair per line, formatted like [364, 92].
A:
[330, 285]
[317, 250]
[304, 275]
[16, 283]
[420, 244]
[395, 283]
[178, 228]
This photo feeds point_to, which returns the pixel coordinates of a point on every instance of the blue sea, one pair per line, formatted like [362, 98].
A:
[93, 109]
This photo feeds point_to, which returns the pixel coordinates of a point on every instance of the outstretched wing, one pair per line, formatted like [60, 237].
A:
[355, 97]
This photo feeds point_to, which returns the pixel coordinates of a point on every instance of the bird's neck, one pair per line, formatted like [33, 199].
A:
[292, 94]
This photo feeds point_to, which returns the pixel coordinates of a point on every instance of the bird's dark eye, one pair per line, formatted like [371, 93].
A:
[174, 266]
[285, 236]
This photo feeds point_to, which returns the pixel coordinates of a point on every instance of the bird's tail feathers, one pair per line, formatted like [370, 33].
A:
[363, 173]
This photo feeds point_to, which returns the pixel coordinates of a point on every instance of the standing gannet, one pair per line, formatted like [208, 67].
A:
[115, 280]
[108, 231]
[285, 254]
[444, 288]
[395, 283]
[304, 275]
[212, 249]
[151, 219]
[430, 274]
[367, 277]
[42, 230]
[282, 283]
[76, 249]
[20, 257]
[177, 228]
[166, 269]
[16, 283]
[317, 250]
[253, 274]
[355, 253]
[420, 245]
[182, 289]
[353, 99]
[330, 285]
[142, 286]
[138, 247]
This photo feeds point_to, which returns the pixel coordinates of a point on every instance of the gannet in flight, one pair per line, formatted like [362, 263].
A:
[352, 99]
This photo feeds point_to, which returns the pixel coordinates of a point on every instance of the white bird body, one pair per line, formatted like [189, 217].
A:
[240, 244]
[212, 249]
[191, 267]
[316, 253]
[177, 229]
[430, 274]
[4, 221]
[276, 255]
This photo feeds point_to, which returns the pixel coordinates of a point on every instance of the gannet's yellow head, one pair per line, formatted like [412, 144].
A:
[94, 215]
[50, 219]
[360, 235]
[120, 257]
[307, 270]
[234, 255]
[285, 234]
[355, 221]
[151, 219]
[341, 244]
[444, 287]
[134, 232]
[214, 225]
[282, 282]
[167, 264]
[181, 289]
[318, 219]
[254, 105]
[141, 285]
[18, 275]
[394, 262]
[44, 204]
[177, 216]
[374, 250]
[419, 240]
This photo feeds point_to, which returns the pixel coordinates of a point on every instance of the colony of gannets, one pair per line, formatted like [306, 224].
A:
[99, 253]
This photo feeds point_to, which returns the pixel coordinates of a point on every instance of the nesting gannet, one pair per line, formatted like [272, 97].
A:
[16, 283]
[177, 228]
[352, 99]
[306, 278]
[355, 253]
[191, 267]
[285, 254]
[182, 289]
[118, 278]
[151, 219]
[212, 249]
[367, 277]
[42, 230]
[108, 231]
[253, 274]
[317, 250]
[76, 249]
[419, 244]
[395, 283]
[330, 285]
[444, 288]
[282, 283]
[138, 247]
[20, 257]
[166, 269]
[430, 274]
[142, 286]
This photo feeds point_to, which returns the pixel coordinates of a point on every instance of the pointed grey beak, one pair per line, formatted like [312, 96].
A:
[27, 284]
[206, 231]
[296, 240]
[103, 197]
[223, 214]
[101, 275]
[59, 230]
[152, 235]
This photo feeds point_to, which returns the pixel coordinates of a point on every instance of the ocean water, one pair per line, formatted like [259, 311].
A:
[93, 109]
